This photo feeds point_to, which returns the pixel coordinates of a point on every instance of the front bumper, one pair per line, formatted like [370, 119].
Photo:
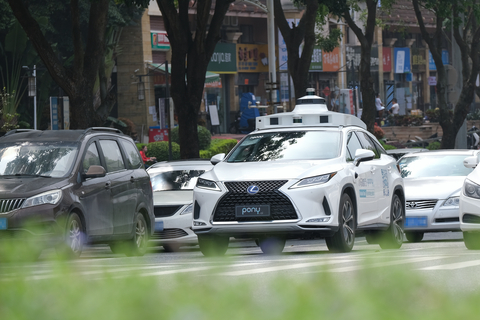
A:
[176, 229]
[431, 220]
[469, 213]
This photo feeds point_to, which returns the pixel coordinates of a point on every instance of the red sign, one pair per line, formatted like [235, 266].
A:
[387, 59]
[155, 135]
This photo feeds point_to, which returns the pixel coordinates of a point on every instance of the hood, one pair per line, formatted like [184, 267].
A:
[271, 170]
[433, 188]
[474, 176]
[21, 187]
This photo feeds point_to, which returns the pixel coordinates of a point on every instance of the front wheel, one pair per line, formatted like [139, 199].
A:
[393, 237]
[213, 245]
[472, 240]
[344, 239]
[414, 236]
[72, 246]
[138, 244]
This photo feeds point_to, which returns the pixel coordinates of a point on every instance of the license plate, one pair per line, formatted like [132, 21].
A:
[158, 226]
[415, 222]
[3, 223]
[252, 211]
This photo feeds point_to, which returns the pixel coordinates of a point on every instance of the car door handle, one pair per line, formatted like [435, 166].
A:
[132, 179]
[108, 185]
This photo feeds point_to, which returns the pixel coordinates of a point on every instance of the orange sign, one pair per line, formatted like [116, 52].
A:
[331, 61]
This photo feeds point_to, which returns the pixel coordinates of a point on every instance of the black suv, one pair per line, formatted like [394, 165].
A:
[71, 187]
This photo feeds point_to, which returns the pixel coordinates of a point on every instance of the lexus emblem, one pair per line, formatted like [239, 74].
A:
[252, 189]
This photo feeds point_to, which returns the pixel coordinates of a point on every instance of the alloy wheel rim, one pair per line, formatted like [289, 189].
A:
[140, 233]
[347, 215]
[397, 220]
[75, 236]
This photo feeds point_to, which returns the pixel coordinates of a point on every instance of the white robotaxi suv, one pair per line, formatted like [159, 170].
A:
[469, 206]
[307, 172]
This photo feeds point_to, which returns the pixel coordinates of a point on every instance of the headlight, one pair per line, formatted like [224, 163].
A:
[471, 189]
[311, 181]
[207, 184]
[50, 197]
[452, 202]
[188, 209]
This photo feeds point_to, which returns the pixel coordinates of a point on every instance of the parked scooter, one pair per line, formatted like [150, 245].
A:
[235, 127]
[473, 138]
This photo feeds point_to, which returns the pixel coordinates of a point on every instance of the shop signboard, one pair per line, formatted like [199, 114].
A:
[252, 57]
[224, 59]
[331, 61]
[387, 59]
[355, 53]
[160, 40]
[316, 63]
[431, 62]
[402, 60]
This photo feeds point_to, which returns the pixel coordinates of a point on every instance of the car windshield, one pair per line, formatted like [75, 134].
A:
[433, 166]
[297, 145]
[175, 179]
[37, 159]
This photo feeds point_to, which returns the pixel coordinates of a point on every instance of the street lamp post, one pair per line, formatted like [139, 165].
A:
[32, 92]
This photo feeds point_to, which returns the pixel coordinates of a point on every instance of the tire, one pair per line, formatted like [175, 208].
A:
[472, 240]
[213, 245]
[73, 239]
[171, 247]
[414, 236]
[344, 239]
[117, 247]
[272, 245]
[392, 238]
[139, 243]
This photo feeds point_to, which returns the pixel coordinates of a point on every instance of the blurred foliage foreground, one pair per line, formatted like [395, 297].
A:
[73, 292]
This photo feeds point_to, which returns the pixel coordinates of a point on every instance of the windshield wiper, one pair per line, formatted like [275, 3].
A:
[24, 175]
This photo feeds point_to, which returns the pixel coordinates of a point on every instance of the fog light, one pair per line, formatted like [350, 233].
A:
[198, 223]
[319, 219]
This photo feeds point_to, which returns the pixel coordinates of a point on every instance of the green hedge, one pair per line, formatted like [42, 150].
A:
[204, 137]
[218, 146]
[159, 150]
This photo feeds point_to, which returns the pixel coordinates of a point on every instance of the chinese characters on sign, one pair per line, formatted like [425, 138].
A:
[252, 58]
[160, 40]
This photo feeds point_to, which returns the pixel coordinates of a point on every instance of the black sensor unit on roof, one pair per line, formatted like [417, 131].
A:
[311, 101]
[323, 119]
[273, 121]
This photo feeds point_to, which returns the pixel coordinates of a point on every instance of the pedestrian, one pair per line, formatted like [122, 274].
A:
[380, 108]
[395, 107]
[143, 153]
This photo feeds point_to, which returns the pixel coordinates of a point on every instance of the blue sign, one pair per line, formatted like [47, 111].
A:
[431, 63]
[54, 112]
[402, 60]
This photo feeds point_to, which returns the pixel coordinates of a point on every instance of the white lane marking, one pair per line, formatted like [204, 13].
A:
[386, 264]
[454, 266]
[161, 273]
[284, 267]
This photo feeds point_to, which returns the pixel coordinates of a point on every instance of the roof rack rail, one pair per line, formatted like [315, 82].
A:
[103, 129]
[19, 131]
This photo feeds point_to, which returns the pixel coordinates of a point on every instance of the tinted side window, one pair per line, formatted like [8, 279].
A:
[353, 144]
[367, 143]
[113, 156]
[133, 157]
[91, 157]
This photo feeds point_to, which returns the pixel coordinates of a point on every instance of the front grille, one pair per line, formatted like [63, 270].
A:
[169, 234]
[7, 205]
[281, 207]
[471, 218]
[420, 204]
[165, 211]
[447, 220]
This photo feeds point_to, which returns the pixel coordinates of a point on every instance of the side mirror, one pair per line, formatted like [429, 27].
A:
[217, 158]
[362, 155]
[470, 162]
[95, 172]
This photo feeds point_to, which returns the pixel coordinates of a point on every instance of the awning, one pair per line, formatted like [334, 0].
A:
[212, 80]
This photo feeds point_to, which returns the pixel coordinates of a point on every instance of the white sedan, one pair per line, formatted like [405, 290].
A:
[433, 181]
[172, 184]
[306, 172]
